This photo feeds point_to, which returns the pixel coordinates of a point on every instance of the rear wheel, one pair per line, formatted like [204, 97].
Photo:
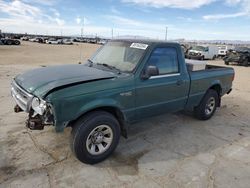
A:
[17, 42]
[207, 106]
[95, 137]
[226, 63]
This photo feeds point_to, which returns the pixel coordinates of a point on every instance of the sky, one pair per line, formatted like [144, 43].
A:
[191, 20]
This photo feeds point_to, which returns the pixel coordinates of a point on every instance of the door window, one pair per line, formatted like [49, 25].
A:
[165, 59]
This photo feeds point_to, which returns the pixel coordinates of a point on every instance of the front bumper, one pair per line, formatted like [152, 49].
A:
[22, 98]
[23, 101]
[194, 56]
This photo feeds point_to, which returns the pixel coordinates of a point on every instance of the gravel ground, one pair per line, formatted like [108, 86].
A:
[172, 150]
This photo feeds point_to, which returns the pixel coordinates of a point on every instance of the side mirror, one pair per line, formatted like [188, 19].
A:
[150, 71]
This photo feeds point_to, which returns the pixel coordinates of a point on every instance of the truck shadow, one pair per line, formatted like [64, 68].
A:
[173, 137]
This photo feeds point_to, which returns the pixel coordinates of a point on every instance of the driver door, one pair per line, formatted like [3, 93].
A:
[166, 92]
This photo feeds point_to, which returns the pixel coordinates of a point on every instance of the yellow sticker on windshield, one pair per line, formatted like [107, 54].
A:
[139, 46]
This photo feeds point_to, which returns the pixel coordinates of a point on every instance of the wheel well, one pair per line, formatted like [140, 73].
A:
[112, 110]
[217, 88]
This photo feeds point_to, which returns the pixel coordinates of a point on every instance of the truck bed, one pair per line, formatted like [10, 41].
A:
[203, 79]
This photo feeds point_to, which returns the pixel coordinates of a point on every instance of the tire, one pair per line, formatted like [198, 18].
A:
[207, 106]
[245, 63]
[214, 57]
[9, 42]
[202, 58]
[90, 127]
[226, 63]
[17, 42]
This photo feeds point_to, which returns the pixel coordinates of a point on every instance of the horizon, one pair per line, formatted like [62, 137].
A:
[200, 20]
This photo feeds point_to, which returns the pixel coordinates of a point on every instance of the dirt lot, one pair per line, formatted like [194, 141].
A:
[173, 150]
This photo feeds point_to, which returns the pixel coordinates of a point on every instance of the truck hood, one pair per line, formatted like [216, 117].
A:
[40, 81]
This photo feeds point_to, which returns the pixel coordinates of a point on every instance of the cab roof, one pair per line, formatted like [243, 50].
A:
[144, 41]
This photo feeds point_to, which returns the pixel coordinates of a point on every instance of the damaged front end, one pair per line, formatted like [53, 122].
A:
[37, 121]
[40, 112]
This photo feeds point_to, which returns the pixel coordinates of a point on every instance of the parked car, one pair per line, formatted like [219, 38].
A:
[102, 42]
[53, 41]
[75, 40]
[125, 82]
[25, 38]
[203, 52]
[240, 55]
[67, 41]
[93, 41]
[7, 41]
[33, 39]
[185, 49]
[79, 40]
[222, 50]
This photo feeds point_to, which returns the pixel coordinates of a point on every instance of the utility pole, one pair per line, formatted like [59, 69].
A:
[83, 22]
[82, 30]
[112, 33]
[166, 35]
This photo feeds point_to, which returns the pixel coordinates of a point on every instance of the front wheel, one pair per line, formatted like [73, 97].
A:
[9, 42]
[95, 137]
[207, 106]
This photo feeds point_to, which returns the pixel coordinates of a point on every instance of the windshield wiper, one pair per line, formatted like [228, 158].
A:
[90, 62]
[110, 67]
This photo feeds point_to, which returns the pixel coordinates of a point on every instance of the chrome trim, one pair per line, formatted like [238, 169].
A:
[21, 97]
[165, 75]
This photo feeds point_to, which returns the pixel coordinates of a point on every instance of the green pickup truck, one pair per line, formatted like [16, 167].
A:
[124, 82]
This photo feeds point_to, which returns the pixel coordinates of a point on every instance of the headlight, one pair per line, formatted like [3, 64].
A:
[38, 105]
[35, 102]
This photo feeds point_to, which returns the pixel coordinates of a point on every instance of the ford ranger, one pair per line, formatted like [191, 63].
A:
[124, 82]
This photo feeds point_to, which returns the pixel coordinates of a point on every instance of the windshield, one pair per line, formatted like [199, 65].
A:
[200, 48]
[120, 55]
[222, 47]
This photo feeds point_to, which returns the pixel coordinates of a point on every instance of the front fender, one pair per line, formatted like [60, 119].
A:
[98, 104]
[68, 110]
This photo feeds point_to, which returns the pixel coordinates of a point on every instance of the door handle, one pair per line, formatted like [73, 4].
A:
[179, 82]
